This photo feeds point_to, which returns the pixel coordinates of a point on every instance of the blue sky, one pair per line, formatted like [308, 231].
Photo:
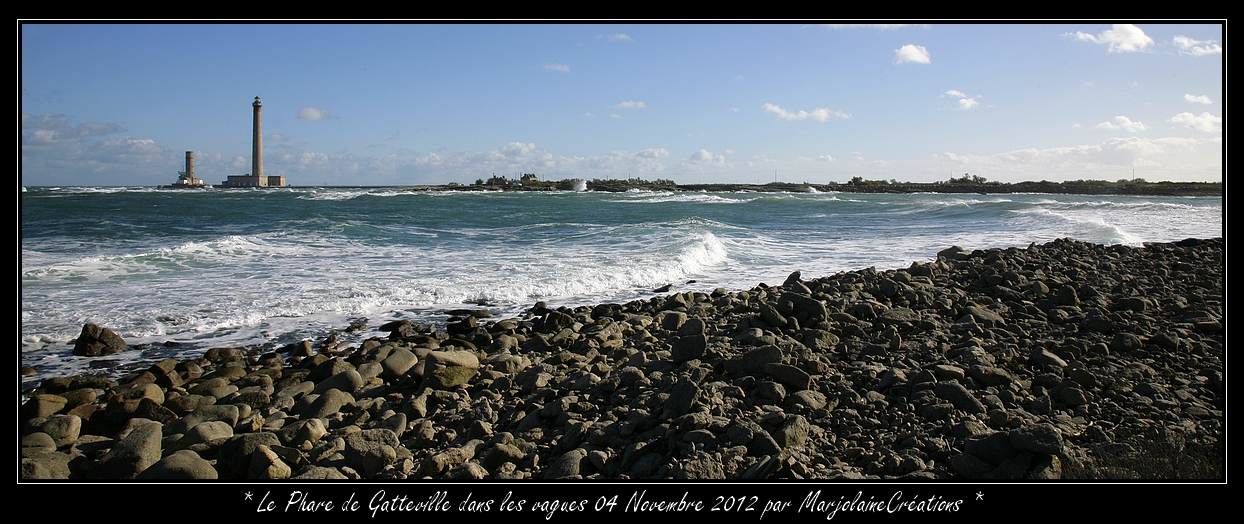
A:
[429, 104]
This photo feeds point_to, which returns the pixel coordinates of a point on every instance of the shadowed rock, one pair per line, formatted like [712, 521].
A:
[96, 341]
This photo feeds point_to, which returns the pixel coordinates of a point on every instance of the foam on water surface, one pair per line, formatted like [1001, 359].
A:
[246, 268]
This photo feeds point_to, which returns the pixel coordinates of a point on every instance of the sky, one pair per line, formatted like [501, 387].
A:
[409, 104]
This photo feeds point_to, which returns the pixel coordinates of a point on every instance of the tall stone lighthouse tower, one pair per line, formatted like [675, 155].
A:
[257, 144]
[256, 177]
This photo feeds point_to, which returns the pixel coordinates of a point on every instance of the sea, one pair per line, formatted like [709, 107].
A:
[176, 272]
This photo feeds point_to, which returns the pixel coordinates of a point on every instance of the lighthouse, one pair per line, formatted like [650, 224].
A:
[186, 179]
[256, 177]
[257, 144]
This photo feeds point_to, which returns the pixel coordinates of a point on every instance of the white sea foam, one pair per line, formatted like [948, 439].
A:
[334, 195]
[664, 197]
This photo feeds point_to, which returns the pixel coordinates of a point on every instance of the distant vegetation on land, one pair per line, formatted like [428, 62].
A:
[965, 184]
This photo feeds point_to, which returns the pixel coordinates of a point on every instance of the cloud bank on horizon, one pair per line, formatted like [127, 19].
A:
[430, 104]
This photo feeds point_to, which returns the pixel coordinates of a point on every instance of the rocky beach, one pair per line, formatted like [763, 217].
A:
[1064, 360]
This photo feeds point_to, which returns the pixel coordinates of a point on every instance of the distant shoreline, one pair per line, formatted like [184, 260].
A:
[1088, 187]
[1076, 187]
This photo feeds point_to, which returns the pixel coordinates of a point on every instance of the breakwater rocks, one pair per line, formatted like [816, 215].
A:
[1062, 360]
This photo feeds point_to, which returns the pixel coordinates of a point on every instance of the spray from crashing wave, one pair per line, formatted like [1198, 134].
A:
[580, 185]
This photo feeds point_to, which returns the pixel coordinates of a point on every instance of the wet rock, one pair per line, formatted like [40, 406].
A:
[97, 341]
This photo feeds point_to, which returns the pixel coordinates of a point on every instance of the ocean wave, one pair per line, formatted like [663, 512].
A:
[1124, 205]
[1085, 227]
[653, 197]
[333, 194]
[279, 268]
[72, 190]
[234, 251]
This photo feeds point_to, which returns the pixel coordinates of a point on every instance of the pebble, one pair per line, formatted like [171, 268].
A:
[1037, 363]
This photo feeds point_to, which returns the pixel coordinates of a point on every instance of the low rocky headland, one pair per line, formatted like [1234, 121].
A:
[1065, 360]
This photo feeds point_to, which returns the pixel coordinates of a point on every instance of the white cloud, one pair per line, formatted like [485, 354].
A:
[133, 146]
[313, 113]
[1188, 46]
[703, 156]
[629, 104]
[614, 115]
[620, 37]
[40, 136]
[1127, 152]
[1122, 38]
[819, 114]
[1204, 122]
[729, 151]
[589, 115]
[965, 101]
[1202, 99]
[826, 158]
[301, 161]
[513, 149]
[557, 67]
[276, 137]
[56, 151]
[659, 152]
[911, 53]
[1124, 123]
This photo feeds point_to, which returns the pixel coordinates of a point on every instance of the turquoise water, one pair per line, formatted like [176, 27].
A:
[247, 267]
